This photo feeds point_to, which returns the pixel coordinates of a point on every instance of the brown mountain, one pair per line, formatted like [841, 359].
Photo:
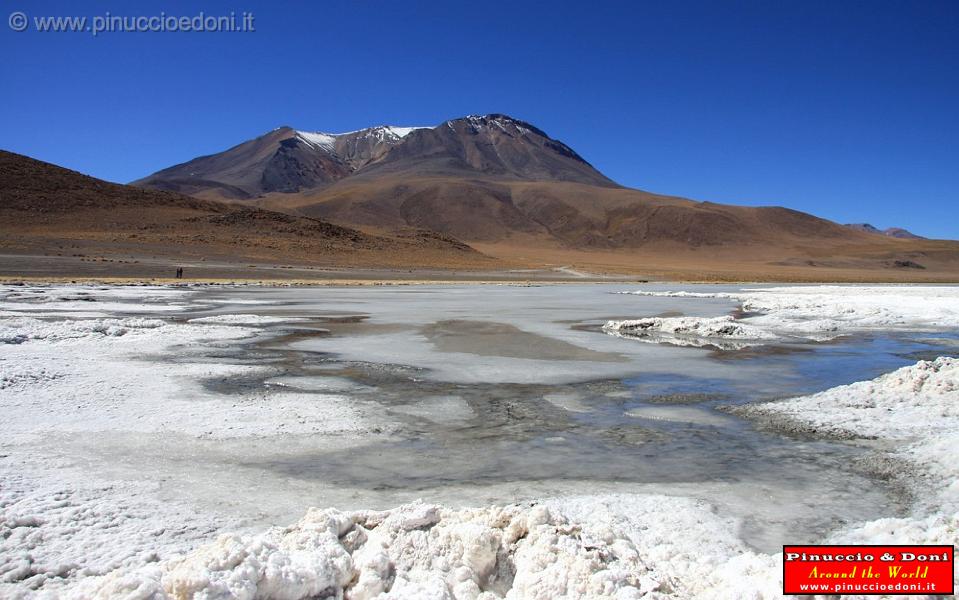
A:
[46, 209]
[482, 178]
[286, 160]
[283, 160]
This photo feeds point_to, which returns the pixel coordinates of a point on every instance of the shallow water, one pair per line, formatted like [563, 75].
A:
[483, 394]
[505, 393]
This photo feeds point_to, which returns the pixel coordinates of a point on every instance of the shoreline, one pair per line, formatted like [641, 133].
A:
[879, 460]
[140, 270]
[375, 282]
[347, 282]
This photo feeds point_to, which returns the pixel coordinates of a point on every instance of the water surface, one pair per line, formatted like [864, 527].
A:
[505, 393]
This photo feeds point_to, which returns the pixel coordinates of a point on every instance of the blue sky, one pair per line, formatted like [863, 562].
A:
[848, 110]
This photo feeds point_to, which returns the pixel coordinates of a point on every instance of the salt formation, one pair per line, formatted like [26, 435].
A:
[799, 313]
[691, 331]
[418, 551]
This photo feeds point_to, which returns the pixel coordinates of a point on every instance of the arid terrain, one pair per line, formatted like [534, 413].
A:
[58, 222]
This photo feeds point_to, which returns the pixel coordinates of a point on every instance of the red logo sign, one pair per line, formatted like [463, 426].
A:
[868, 570]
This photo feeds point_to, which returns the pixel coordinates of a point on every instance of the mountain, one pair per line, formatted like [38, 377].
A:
[513, 192]
[896, 232]
[287, 160]
[46, 209]
[283, 160]
[482, 178]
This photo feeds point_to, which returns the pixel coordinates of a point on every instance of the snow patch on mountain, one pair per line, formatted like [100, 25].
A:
[383, 133]
[396, 132]
[317, 140]
[502, 122]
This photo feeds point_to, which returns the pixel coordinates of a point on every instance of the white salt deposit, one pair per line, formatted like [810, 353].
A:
[422, 552]
[91, 301]
[804, 312]
[907, 403]
[18, 330]
[58, 527]
[725, 332]
[66, 383]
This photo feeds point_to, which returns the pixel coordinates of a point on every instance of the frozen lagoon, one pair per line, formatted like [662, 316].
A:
[372, 397]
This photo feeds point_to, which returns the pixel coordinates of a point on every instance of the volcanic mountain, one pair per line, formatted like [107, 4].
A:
[484, 178]
[287, 160]
[46, 209]
[510, 190]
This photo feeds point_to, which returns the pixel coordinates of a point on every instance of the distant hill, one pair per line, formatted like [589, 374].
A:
[896, 232]
[44, 207]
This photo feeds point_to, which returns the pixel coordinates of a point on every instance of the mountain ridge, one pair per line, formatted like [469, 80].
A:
[895, 232]
[288, 160]
[484, 179]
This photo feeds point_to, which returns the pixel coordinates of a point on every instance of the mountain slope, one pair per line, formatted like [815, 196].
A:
[49, 209]
[570, 215]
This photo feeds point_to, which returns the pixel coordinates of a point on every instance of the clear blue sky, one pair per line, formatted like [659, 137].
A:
[848, 110]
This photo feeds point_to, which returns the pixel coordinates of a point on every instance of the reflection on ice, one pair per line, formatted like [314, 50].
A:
[438, 409]
[680, 414]
[314, 384]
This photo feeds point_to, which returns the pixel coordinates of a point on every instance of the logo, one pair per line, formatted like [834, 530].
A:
[868, 570]
[17, 21]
